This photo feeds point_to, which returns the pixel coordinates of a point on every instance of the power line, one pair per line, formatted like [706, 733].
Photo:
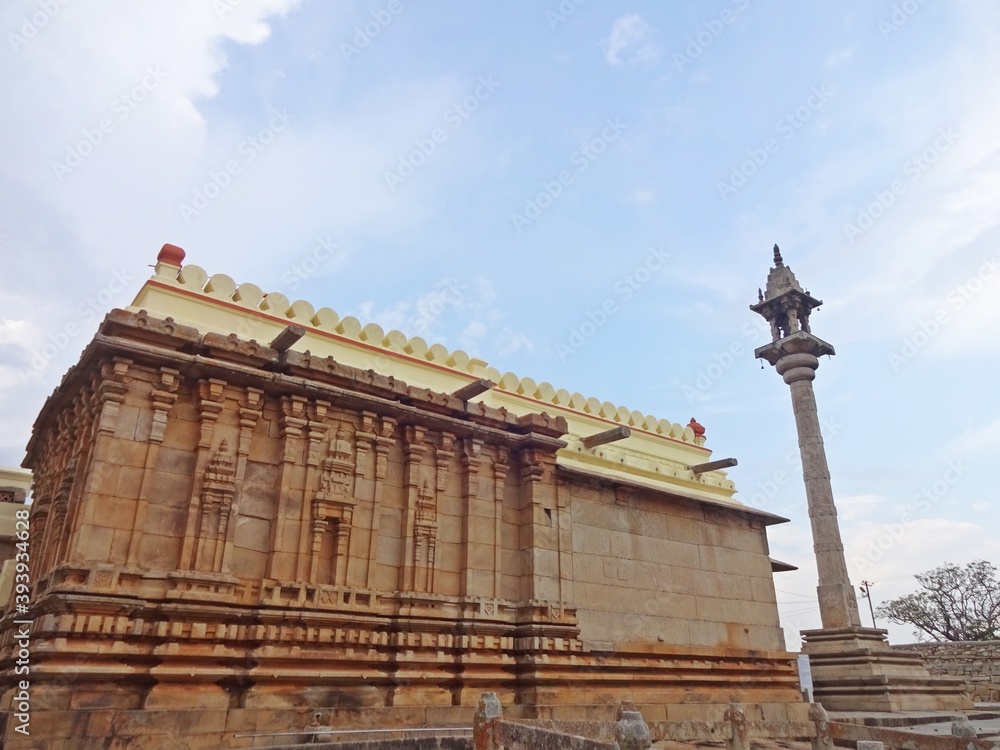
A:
[798, 612]
[792, 593]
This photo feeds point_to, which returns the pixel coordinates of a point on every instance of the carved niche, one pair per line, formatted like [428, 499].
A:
[332, 511]
[425, 538]
[218, 487]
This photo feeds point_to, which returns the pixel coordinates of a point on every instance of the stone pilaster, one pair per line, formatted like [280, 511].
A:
[162, 399]
[292, 513]
[472, 522]
[77, 521]
[501, 466]
[250, 412]
[211, 402]
[537, 532]
[384, 441]
[414, 449]
[564, 539]
[292, 555]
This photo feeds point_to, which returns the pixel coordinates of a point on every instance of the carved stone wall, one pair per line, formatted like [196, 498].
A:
[222, 527]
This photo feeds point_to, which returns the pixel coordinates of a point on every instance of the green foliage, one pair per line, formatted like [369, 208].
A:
[956, 604]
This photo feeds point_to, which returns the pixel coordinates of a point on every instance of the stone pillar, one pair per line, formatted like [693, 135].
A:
[853, 668]
[739, 728]
[486, 723]
[795, 352]
[823, 740]
[838, 605]
[631, 731]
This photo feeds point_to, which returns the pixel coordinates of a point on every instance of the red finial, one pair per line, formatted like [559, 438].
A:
[699, 430]
[171, 255]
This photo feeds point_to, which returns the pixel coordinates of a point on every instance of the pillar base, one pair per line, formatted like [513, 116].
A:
[855, 669]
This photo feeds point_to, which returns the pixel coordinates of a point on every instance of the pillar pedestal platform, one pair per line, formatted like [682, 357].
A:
[855, 669]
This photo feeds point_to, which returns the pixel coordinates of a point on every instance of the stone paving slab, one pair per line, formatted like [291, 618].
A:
[988, 729]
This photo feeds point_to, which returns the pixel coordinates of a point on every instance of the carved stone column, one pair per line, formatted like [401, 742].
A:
[838, 604]
[73, 461]
[536, 530]
[794, 351]
[111, 389]
[471, 522]
[250, 412]
[162, 399]
[414, 450]
[293, 544]
[501, 465]
[384, 441]
[291, 477]
[211, 402]
[854, 668]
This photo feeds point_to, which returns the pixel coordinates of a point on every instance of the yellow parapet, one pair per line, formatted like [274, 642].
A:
[657, 452]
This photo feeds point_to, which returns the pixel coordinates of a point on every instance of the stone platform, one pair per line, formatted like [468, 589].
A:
[855, 669]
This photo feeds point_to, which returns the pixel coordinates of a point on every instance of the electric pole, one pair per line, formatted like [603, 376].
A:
[867, 594]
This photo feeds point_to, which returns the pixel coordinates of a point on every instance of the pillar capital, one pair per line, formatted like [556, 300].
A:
[801, 342]
[795, 367]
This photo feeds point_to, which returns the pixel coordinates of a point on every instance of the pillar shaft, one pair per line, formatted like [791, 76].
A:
[837, 602]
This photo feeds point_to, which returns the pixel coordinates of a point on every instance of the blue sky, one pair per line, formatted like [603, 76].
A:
[582, 193]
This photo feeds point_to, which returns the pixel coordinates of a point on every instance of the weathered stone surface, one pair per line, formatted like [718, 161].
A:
[485, 723]
[738, 735]
[631, 732]
[963, 729]
[822, 740]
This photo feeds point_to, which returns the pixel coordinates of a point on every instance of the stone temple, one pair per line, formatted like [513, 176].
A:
[247, 509]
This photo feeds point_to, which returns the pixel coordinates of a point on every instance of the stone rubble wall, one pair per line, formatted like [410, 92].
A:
[976, 662]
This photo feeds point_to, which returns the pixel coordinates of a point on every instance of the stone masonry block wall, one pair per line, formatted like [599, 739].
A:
[976, 662]
[644, 567]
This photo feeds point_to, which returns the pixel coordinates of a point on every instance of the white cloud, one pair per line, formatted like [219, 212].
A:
[642, 196]
[839, 58]
[426, 316]
[983, 440]
[851, 507]
[509, 341]
[18, 332]
[630, 42]
[472, 335]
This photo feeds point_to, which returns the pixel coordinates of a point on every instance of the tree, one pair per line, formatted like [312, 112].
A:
[956, 604]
